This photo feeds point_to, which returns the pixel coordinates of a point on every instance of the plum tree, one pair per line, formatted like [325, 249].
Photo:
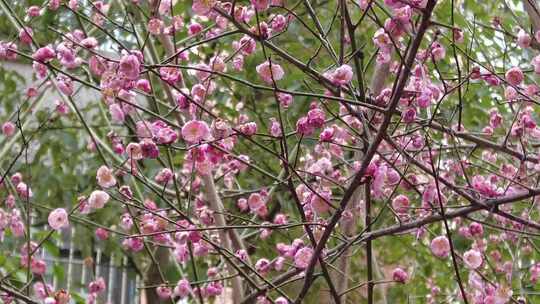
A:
[272, 151]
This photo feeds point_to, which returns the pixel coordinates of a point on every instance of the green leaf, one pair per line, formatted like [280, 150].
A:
[58, 271]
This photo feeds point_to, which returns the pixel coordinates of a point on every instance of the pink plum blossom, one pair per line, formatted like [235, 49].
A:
[58, 219]
[342, 75]
[303, 257]
[105, 177]
[98, 199]
[440, 246]
[472, 258]
[400, 275]
[270, 71]
[514, 76]
[8, 128]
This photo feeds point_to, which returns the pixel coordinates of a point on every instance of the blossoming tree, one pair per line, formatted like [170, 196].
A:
[273, 151]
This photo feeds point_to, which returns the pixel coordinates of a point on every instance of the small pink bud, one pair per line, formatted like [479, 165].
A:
[523, 39]
[33, 11]
[144, 85]
[400, 275]
[25, 35]
[164, 292]
[8, 129]
[102, 234]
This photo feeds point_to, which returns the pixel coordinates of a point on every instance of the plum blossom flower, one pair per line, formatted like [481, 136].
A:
[476, 229]
[8, 129]
[134, 244]
[342, 75]
[523, 39]
[327, 134]
[8, 51]
[281, 300]
[129, 66]
[16, 178]
[97, 286]
[149, 148]
[65, 85]
[202, 7]
[58, 219]
[24, 191]
[164, 134]
[182, 289]
[61, 107]
[164, 292]
[62, 297]
[440, 246]
[472, 258]
[117, 114]
[484, 186]
[194, 28]
[316, 117]
[44, 54]
[155, 26]
[98, 199]
[400, 275]
[246, 45]
[102, 234]
[67, 56]
[171, 75]
[270, 70]
[401, 203]
[262, 265]
[54, 5]
[33, 11]
[238, 62]
[255, 202]
[510, 93]
[285, 99]
[49, 300]
[458, 35]
[248, 128]
[105, 177]
[42, 290]
[303, 126]
[302, 257]
[278, 24]
[89, 42]
[25, 35]
[134, 151]
[144, 85]
[38, 267]
[514, 76]
[409, 115]
[164, 176]
[260, 5]
[195, 131]
[214, 289]
[438, 51]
